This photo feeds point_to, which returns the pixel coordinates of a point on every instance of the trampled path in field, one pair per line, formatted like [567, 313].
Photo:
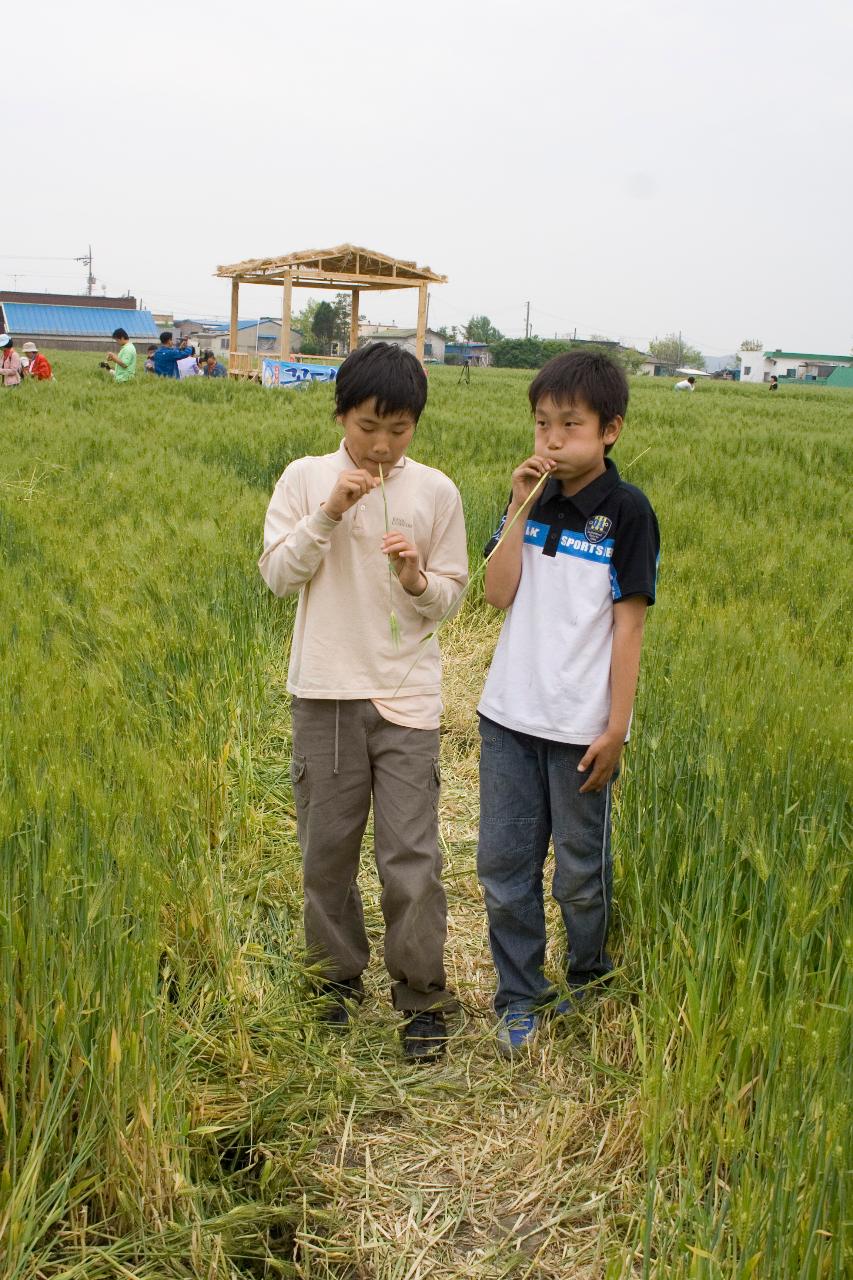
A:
[475, 1167]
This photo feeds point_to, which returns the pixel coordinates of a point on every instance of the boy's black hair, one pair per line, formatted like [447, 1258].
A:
[165, 336]
[388, 374]
[583, 375]
[120, 333]
[151, 348]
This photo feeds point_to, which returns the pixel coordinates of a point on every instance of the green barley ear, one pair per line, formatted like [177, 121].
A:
[392, 617]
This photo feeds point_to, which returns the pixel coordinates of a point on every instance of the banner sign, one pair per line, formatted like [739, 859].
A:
[290, 373]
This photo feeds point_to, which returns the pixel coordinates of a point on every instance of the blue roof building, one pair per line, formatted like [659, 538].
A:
[74, 328]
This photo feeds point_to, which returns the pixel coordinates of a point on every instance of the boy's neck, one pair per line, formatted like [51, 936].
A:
[576, 483]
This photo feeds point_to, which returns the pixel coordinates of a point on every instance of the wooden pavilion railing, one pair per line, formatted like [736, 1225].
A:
[242, 364]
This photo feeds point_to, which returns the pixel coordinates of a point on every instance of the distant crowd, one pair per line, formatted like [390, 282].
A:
[29, 364]
[169, 361]
[164, 361]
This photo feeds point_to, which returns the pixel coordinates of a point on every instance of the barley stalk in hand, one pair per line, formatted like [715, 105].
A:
[392, 617]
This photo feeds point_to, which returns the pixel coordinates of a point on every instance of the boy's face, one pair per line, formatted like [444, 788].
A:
[371, 439]
[570, 435]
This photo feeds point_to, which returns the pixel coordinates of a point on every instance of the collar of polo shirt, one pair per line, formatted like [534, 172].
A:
[586, 499]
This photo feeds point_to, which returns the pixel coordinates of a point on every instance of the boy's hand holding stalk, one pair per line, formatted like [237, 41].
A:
[525, 479]
[405, 562]
[349, 487]
[503, 572]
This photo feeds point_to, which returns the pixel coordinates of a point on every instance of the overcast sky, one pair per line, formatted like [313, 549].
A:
[630, 169]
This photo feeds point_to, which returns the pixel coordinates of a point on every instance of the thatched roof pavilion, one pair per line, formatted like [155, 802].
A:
[347, 268]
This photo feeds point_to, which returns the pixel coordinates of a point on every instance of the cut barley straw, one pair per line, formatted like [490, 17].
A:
[392, 616]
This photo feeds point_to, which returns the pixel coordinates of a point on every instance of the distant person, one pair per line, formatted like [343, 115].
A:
[149, 359]
[167, 355]
[39, 367]
[188, 365]
[774, 382]
[686, 384]
[11, 364]
[212, 367]
[125, 360]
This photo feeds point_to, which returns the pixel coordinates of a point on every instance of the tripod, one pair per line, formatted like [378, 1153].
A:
[465, 374]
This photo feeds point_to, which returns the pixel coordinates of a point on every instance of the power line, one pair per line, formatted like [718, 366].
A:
[38, 257]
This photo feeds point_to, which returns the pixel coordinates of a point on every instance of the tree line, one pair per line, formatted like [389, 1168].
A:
[322, 324]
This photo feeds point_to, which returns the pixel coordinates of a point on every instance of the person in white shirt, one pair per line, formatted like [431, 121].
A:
[686, 384]
[365, 674]
[188, 366]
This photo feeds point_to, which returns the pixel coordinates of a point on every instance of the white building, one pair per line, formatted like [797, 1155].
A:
[261, 337]
[405, 338]
[792, 366]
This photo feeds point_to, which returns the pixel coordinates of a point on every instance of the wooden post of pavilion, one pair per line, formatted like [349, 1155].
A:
[353, 320]
[286, 312]
[422, 309]
[232, 328]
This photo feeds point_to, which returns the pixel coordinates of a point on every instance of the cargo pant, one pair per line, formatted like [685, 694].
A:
[344, 753]
[529, 792]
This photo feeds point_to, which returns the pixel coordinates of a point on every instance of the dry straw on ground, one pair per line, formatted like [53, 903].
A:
[477, 1167]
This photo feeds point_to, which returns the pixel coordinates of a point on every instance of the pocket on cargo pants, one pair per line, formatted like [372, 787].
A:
[299, 783]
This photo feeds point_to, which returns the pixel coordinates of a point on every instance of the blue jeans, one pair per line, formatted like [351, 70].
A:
[529, 792]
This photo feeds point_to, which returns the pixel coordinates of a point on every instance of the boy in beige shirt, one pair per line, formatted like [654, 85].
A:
[366, 694]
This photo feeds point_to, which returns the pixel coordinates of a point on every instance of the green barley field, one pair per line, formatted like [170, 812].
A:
[168, 1105]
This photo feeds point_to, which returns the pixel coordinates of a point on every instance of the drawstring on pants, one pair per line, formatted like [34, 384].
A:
[337, 736]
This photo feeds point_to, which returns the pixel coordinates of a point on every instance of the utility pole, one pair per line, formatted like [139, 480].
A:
[527, 322]
[90, 279]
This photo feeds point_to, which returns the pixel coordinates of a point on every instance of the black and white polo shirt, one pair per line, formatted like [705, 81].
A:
[550, 675]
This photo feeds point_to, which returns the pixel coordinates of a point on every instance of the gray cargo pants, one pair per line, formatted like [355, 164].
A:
[344, 752]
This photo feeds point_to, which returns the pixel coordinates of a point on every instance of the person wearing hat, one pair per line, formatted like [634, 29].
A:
[39, 367]
[10, 362]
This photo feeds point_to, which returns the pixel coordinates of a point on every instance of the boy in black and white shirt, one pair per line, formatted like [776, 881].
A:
[575, 573]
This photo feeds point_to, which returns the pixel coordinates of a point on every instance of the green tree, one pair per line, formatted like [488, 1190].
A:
[631, 358]
[343, 311]
[323, 324]
[672, 350]
[751, 344]
[481, 329]
[304, 321]
[518, 353]
[532, 353]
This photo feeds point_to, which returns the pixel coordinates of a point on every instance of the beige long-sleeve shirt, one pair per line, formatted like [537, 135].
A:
[342, 643]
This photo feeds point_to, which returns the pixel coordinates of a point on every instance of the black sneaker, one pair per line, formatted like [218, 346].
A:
[336, 1004]
[424, 1036]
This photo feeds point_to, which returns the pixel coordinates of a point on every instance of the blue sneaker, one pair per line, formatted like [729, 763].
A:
[573, 1004]
[516, 1032]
